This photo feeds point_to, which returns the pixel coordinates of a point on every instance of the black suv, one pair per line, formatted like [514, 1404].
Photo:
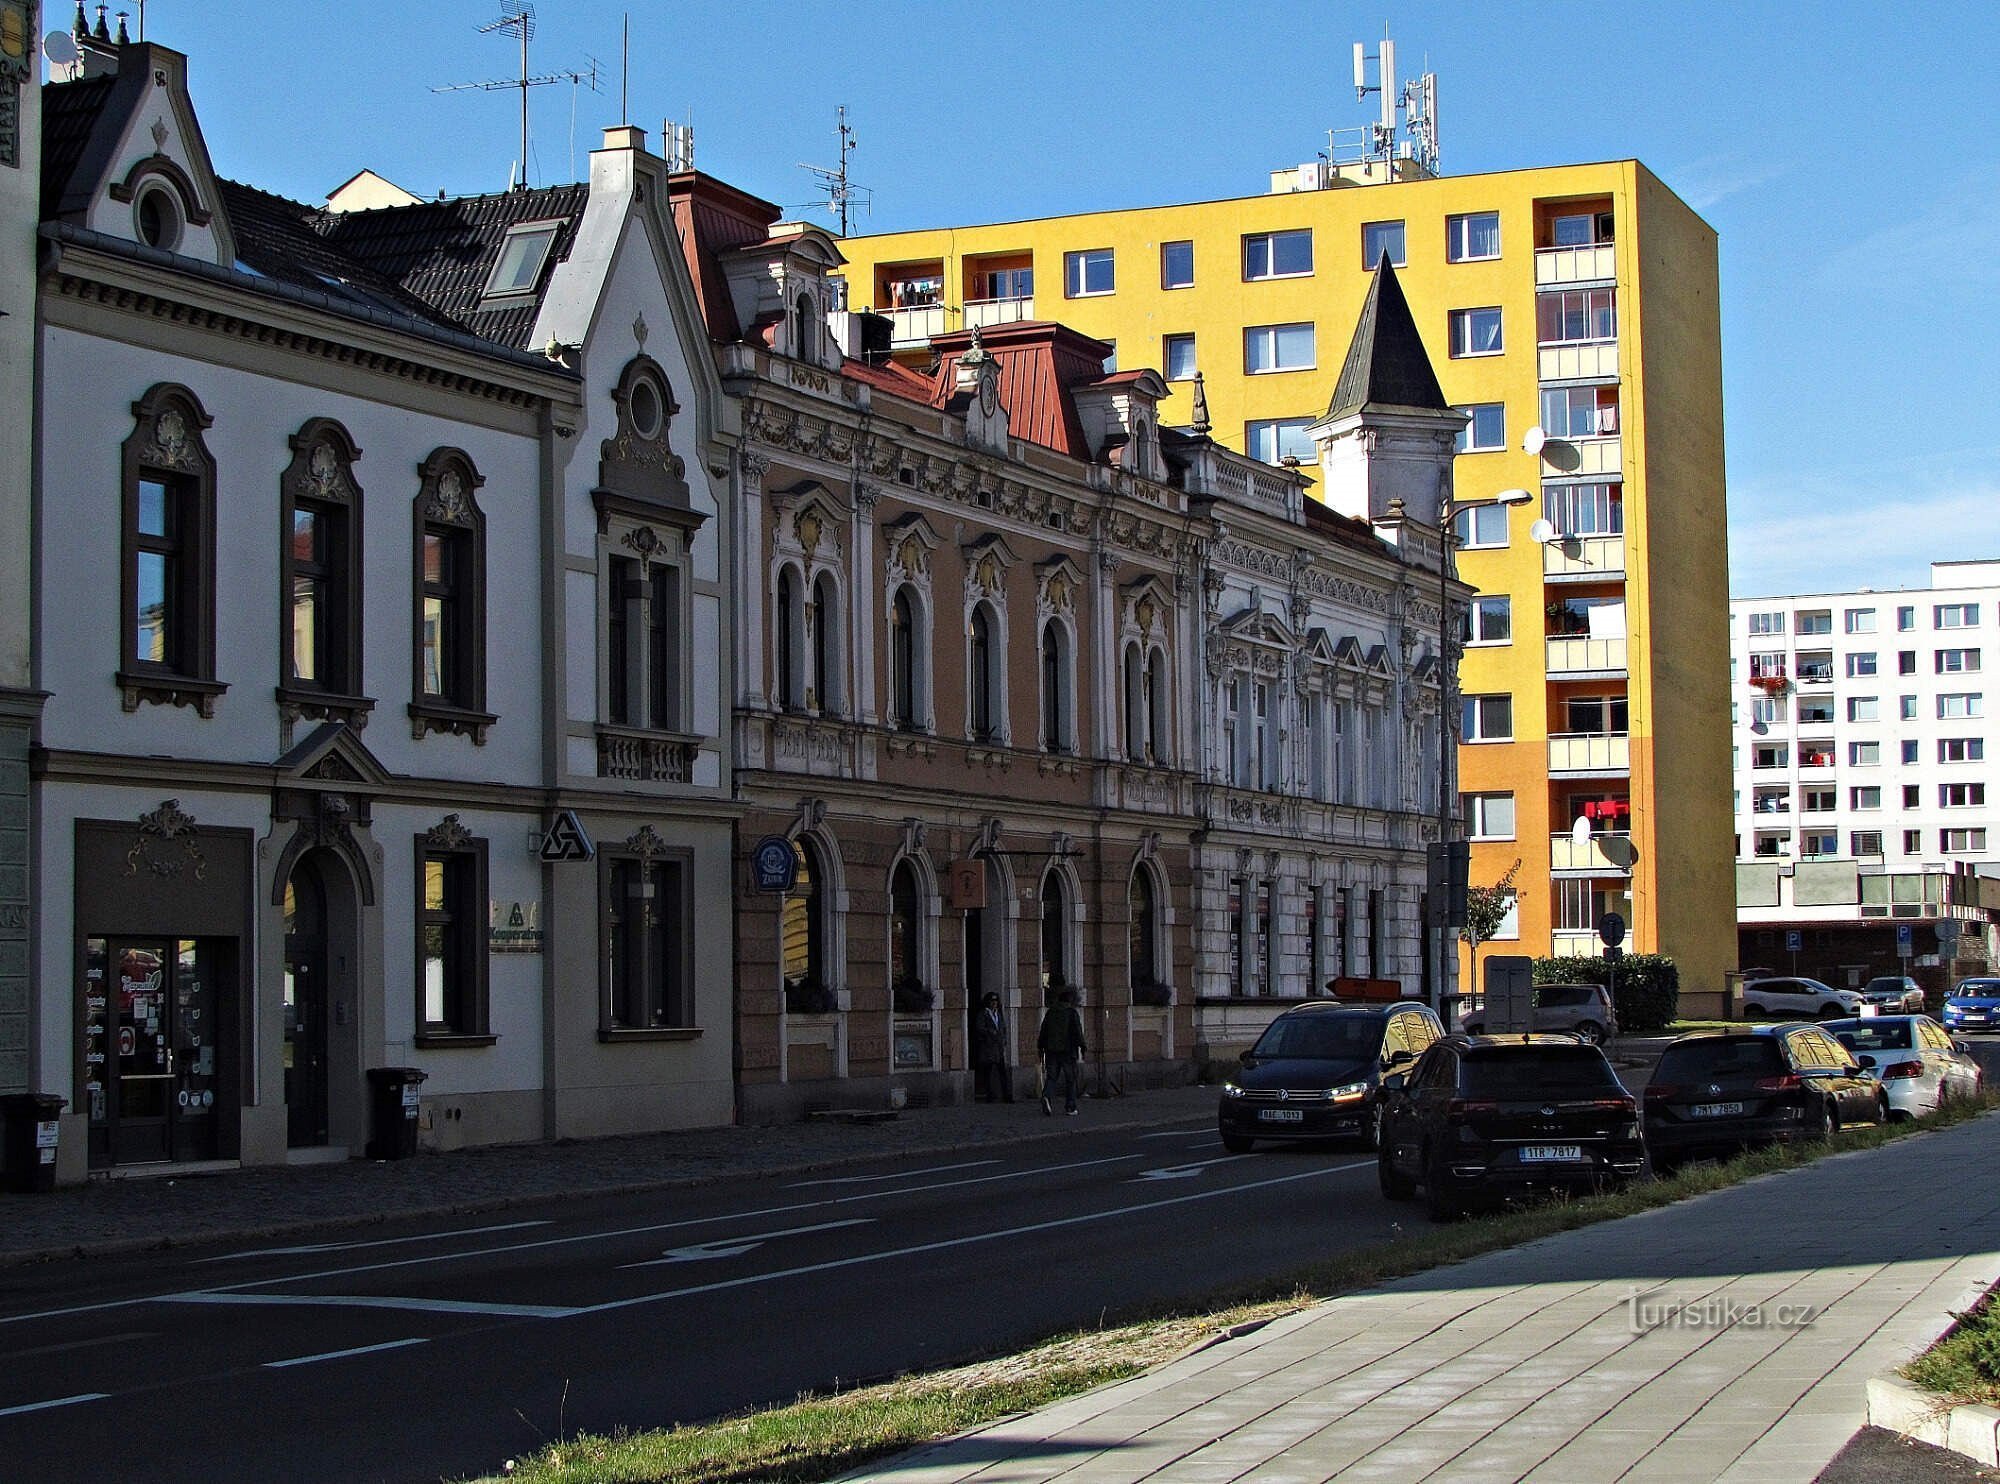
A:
[1715, 1093]
[1316, 1070]
[1483, 1118]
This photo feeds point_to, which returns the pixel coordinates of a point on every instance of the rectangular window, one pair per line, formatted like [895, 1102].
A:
[1909, 746]
[522, 254]
[1585, 229]
[1768, 710]
[1767, 664]
[1766, 623]
[1819, 842]
[1572, 412]
[1861, 620]
[1489, 621]
[1585, 509]
[1489, 816]
[1813, 623]
[1472, 238]
[644, 942]
[1280, 438]
[1913, 796]
[1961, 706]
[1863, 708]
[1176, 265]
[1476, 332]
[1906, 662]
[1488, 718]
[1864, 798]
[1818, 800]
[1819, 754]
[1961, 795]
[1378, 238]
[1278, 348]
[1955, 615]
[1906, 620]
[1378, 932]
[1010, 283]
[1596, 715]
[1480, 525]
[1485, 430]
[1961, 749]
[451, 937]
[1913, 842]
[1861, 665]
[1089, 272]
[1278, 254]
[1574, 316]
[1906, 707]
[1177, 351]
[1864, 842]
[1957, 661]
[1817, 712]
[1961, 842]
[1864, 754]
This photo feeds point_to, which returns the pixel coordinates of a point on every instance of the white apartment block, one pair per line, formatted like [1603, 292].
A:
[1860, 721]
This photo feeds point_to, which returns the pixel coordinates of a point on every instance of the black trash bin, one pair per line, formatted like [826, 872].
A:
[29, 1139]
[392, 1111]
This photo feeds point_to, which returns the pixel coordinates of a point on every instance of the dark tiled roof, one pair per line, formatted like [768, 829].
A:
[442, 252]
[1387, 365]
[280, 239]
[1346, 529]
[69, 113]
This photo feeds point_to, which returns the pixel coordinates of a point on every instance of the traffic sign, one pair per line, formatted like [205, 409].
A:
[1611, 929]
[1905, 946]
[1794, 941]
[567, 840]
[1947, 929]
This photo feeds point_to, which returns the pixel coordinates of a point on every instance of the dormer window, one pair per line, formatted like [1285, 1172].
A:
[522, 256]
[158, 219]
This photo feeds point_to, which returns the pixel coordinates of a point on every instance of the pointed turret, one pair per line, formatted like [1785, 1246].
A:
[1386, 365]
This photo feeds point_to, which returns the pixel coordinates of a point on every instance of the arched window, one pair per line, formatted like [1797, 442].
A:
[1145, 929]
[825, 688]
[1156, 706]
[980, 676]
[802, 946]
[805, 329]
[1135, 716]
[1055, 934]
[903, 662]
[1055, 688]
[905, 915]
[789, 620]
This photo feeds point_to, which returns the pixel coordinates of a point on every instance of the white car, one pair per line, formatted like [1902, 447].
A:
[1915, 1059]
[1789, 999]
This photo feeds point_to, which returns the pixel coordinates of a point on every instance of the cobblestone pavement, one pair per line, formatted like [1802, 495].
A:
[132, 1214]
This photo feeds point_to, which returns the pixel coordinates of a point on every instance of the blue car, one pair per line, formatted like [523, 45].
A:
[1973, 1005]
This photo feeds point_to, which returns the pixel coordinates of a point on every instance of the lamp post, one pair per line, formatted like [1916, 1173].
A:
[1441, 886]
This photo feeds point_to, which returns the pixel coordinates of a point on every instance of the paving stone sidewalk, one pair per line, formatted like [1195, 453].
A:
[1539, 1363]
[125, 1215]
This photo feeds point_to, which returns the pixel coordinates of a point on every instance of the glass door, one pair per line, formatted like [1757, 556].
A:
[150, 1023]
[305, 1011]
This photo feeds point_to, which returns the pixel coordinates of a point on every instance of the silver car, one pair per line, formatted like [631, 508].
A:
[1894, 994]
[1583, 1010]
[1920, 1067]
[1801, 998]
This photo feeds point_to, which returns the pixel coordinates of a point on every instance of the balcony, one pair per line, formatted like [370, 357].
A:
[1575, 943]
[982, 314]
[1584, 361]
[1583, 558]
[1603, 456]
[1814, 669]
[1607, 854]
[1590, 755]
[1586, 659]
[1563, 265]
[916, 325]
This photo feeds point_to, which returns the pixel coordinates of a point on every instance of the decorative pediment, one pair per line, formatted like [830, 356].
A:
[1379, 663]
[1145, 604]
[1057, 583]
[1255, 626]
[1320, 648]
[987, 560]
[1348, 651]
[322, 467]
[909, 542]
[637, 462]
[333, 754]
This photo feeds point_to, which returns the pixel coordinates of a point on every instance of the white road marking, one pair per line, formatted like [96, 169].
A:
[737, 1246]
[1180, 1172]
[279, 1365]
[971, 1164]
[61, 1401]
[137, 1334]
[1168, 1133]
[469, 1231]
[374, 1301]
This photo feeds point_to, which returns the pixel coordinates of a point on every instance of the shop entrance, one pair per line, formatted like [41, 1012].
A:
[153, 1017]
[305, 1008]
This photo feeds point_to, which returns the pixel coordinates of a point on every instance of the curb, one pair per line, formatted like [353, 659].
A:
[1898, 1406]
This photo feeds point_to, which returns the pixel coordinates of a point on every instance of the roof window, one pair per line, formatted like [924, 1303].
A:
[522, 255]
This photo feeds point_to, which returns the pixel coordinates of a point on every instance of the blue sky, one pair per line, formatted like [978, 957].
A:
[1845, 153]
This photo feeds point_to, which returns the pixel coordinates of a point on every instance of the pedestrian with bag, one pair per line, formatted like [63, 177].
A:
[992, 1082]
[1062, 1047]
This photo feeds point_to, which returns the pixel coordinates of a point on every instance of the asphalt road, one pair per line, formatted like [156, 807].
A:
[443, 1348]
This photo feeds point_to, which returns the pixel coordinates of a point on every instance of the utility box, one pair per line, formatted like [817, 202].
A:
[32, 1121]
[1510, 994]
[393, 1104]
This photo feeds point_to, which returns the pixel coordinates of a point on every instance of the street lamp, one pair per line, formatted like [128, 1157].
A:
[1441, 887]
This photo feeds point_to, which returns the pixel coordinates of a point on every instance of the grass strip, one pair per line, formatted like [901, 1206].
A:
[818, 1437]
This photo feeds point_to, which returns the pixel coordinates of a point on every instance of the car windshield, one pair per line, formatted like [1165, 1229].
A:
[1887, 984]
[1538, 1071]
[1321, 1038]
[1867, 1035]
[1977, 989]
[1722, 1056]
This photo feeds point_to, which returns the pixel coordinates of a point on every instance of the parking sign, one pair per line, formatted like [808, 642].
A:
[1794, 941]
[1904, 946]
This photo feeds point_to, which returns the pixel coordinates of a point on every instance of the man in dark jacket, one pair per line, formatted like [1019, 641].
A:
[1061, 1043]
[991, 1082]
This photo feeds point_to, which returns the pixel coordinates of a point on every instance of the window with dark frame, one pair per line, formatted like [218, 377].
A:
[449, 683]
[905, 921]
[790, 619]
[1177, 265]
[903, 662]
[319, 574]
[981, 677]
[451, 936]
[167, 647]
[1143, 948]
[1055, 690]
[646, 936]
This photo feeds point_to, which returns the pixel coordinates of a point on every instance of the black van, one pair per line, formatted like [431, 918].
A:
[1316, 1071]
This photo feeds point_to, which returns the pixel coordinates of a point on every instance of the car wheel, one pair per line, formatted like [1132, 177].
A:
[1753, 1012]
[1824, 1123]
[1395, 1185]
[1439, 1199]
[1830, 1012]
[1237, 1144]
[1371, 1132]
[1591, 1032]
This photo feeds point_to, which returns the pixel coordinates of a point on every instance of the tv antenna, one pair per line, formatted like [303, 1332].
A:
[518, 20]
[841, 193]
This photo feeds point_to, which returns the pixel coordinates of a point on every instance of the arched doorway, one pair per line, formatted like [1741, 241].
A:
[988, 954]
[307, 1053]
[1055, 935]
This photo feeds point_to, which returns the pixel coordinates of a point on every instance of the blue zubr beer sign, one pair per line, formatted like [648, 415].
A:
[774, 864]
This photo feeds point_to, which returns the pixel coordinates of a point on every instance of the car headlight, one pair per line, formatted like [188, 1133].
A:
[1231, 1090]
[1347, 1092]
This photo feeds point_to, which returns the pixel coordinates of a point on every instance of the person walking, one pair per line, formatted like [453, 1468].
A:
[1062, 1047]
[992, 1083]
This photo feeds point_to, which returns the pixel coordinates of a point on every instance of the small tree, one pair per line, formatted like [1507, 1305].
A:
[1485, 910]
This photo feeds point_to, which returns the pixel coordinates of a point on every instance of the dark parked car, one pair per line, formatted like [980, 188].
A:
[1484, 1118]
[1717, 1092]
[1316, 1071]
[1894, 994]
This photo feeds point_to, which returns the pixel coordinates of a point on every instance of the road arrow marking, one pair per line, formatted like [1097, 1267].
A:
[1180, 1172]
[737, 1246]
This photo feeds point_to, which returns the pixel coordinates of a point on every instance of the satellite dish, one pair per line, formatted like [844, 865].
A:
[1542, 532]
[60, 48]
[1532, 440]
[1759, 728]
[1580, 831]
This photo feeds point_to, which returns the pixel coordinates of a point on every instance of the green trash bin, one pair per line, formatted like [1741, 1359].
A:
[392, 1111]
[32, 1123]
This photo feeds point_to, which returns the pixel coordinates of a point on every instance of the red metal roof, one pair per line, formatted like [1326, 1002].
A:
[1040, 363]
[712, 216]
[890, 376]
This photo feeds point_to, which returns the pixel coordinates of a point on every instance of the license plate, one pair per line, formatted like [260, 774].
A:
[1715, 1110]
[1281, 1115]
[1541, 1154]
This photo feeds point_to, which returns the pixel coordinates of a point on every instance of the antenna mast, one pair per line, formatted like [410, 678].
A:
[519, 20]
[841, 193]
[1417, 103]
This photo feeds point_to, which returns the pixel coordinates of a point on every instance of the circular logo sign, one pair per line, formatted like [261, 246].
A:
[774, 864]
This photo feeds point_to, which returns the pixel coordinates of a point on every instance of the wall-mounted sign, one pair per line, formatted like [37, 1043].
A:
[965, 885]
[567, 840]
[514, 927]
[774, 864]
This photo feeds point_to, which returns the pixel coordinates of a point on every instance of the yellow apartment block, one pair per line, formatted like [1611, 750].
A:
[1572, 312]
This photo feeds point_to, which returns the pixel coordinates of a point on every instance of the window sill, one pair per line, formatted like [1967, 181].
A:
[1091, 294]
[164, 688]
[1279, 370]
[458, 721]
[1285, 277]
[454, 1041]
[298, 703]
[651, 1033]
[1492, 257]
[1476, 355]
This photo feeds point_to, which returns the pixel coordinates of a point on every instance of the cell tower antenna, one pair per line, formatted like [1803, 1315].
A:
[1415, 101]
[841, 193]
[518, 20]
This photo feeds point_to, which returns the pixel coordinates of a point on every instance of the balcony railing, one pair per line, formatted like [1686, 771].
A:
[1812, 672]
[1554, 265]
[917, 325]
[1586, 361]
[1601, 754]
[1583, 455]
[1575, 658]
[983, 313]
[1575, 943]
[1583, 558]
[1608, 854]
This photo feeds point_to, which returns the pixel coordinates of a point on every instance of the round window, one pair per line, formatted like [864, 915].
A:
[159, 221]
[646, 408]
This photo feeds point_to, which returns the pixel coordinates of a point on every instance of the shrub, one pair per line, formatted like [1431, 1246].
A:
[1645, 987]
